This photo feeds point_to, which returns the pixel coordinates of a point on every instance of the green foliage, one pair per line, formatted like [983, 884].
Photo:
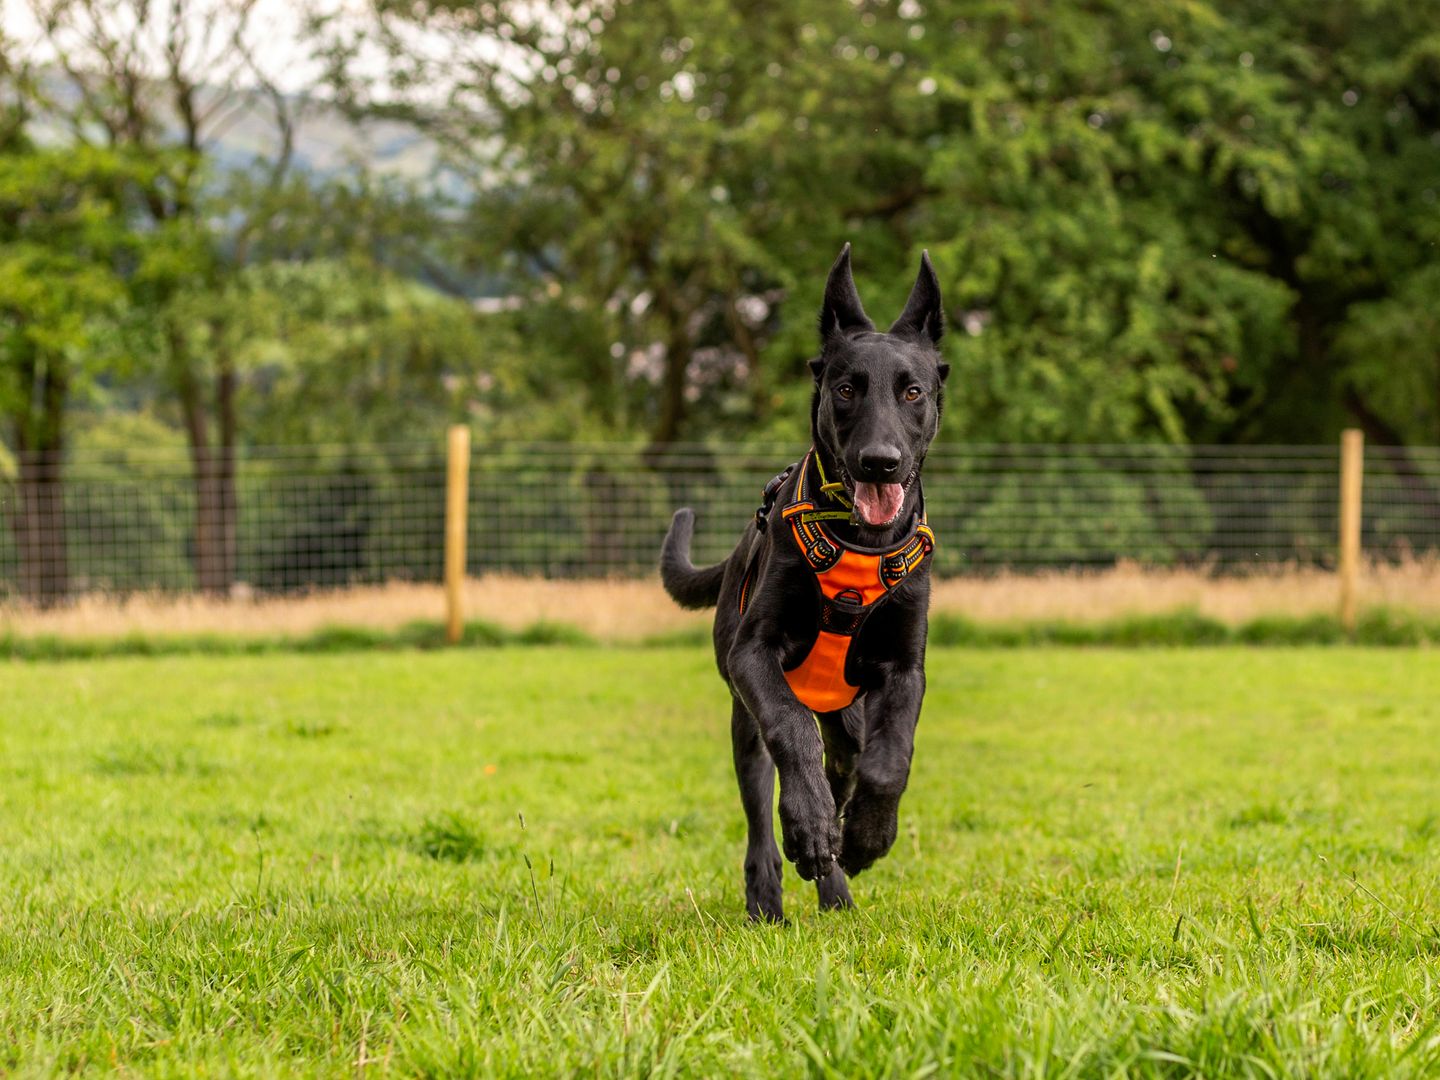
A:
[393, 359]
[1091, 511]
[1393, 351]
[246, 281]
[124, 497]
[1153, 222]
[1249, 172]
[62, 298]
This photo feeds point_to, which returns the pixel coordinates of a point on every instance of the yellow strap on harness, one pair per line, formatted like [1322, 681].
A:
[834, 488]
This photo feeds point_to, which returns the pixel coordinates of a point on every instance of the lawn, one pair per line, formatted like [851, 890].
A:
[527, 861]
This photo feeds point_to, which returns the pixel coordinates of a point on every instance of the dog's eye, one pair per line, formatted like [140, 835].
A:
[845, 391]
[914, 393]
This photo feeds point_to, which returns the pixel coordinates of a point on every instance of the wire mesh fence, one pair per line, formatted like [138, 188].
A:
[294, 518]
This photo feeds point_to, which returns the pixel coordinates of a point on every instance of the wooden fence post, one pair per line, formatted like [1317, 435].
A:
[1352, 471]
[457, 492]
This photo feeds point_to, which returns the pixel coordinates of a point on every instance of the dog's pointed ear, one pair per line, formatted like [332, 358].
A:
[842, 310]
[924, 316]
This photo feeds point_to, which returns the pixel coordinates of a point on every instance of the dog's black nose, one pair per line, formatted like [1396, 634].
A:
[882, 460]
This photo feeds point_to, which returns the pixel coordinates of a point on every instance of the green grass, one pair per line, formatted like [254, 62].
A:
[1377, 626]
[421, 634]
[526, 861]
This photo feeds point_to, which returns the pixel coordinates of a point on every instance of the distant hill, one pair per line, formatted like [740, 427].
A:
[327, 142]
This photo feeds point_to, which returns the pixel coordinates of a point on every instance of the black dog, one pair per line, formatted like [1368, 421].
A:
[823, 612]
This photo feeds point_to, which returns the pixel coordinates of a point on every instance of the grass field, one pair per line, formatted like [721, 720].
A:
[526, 861]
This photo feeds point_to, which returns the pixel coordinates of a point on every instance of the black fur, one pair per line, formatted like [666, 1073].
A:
[687, 586]
[840, 781]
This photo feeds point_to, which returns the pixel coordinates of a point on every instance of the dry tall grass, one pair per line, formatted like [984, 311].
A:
[1129, 589]
[608, 610]
[629, 610]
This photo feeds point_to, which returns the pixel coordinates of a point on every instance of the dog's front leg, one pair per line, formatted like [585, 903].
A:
[809, 833]
[872, 816]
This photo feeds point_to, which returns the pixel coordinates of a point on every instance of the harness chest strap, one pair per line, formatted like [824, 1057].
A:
[852, 583]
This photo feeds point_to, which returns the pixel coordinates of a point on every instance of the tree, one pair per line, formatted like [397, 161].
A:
[351, 354]
[62, 302]
[655, 180]
[161, 81]
[1153, 222]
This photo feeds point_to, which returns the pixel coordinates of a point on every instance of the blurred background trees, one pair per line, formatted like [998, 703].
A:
[587, 219]
[1153, 222]
[61, 311]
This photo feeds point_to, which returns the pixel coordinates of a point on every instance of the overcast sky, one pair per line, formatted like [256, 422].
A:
[277, 22]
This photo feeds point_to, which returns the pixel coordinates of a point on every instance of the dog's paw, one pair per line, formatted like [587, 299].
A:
[870, 828]
[814, 860]
[766, 909]
[812, 845]
[763, 901]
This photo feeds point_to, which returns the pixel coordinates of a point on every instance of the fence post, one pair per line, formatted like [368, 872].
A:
[457, 491]
[1352, 471]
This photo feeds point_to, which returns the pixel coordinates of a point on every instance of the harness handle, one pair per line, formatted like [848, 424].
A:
[772, 492]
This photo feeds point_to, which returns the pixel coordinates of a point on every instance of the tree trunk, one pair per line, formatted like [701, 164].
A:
[39, 519]
[40, 528]
[671, 419]
[745, 340]
[213, 473]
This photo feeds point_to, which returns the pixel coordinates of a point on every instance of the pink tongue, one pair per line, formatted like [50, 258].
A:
[877, 504]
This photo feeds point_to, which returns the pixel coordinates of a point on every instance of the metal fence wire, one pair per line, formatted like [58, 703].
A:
[298, 518]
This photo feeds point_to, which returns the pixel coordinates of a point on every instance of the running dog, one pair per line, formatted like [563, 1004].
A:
[822, 608]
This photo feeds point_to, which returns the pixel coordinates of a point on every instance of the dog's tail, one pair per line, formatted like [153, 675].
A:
[687, 586]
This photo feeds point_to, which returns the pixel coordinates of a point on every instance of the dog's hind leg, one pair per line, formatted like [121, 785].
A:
[841, 732]
[871, 819]
[755, 771]
[834, 891]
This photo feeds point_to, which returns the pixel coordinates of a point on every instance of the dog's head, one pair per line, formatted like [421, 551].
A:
[878, 396]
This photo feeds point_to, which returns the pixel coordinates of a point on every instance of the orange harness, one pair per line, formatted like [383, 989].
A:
[853, 582]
